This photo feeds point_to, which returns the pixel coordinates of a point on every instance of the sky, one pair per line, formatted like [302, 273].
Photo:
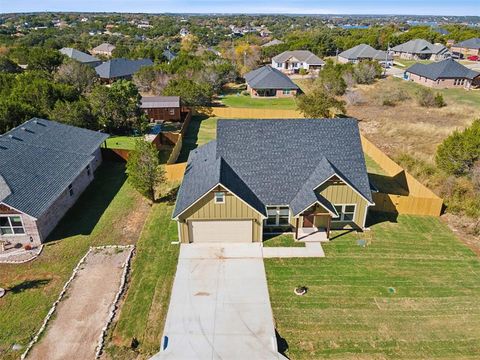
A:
[407, 7]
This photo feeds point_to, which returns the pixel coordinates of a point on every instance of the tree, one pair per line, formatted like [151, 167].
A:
[78, 75]
[319, 104]
[8, 66]
[13, 113]
[77, 113]
[366, 72]
[193, 93]
[40, 58]
[144, 170]
[151, 79]
[117, 107]
[331, 80]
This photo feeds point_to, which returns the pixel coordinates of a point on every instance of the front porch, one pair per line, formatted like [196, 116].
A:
[312, 234]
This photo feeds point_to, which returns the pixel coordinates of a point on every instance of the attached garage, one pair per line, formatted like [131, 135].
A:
[221, 231]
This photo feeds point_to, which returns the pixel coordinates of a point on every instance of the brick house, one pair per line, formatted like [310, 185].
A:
[44, 168]
[470, 47]
[159, 108]
[269, 82]
[104, 49]
[444, 74]
[420, 49]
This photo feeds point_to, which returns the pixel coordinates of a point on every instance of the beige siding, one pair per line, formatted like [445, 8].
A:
[339, 194]
[232, 209]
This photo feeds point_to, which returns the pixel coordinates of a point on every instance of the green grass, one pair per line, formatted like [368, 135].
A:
[245, 101]
[143, 314]
[409, 63]
[122, 142]
[98, 218]
[281, 241]
[200, 131]
[349, 312]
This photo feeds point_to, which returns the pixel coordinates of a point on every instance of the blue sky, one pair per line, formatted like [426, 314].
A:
[419, 7]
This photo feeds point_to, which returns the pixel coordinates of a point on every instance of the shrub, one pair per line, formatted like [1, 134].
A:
[427, 98]
[353, 98]
[302, 72]
[366, 72]
[320, 104]
[439, 102]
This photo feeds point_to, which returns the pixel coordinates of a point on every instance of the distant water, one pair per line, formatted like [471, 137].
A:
[354, 26]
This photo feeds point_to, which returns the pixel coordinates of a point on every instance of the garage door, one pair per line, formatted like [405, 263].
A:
[221, 231]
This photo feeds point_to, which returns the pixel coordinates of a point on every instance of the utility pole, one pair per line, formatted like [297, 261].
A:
[386, 60]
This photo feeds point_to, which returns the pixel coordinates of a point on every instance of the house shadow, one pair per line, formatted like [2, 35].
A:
[378, 217]
[86, 212]
[394, 185]
[282, 344]
[190, 141]
[28, 285]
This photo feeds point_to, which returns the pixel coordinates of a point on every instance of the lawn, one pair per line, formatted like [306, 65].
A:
[103, 215]
[412, 293]
[122, 142]
[143, 313]
[200, 131]
[245, 101]
[409, 63]
[281, 241]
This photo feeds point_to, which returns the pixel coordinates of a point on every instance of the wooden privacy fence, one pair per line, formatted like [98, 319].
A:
[419, 201]
[174, 172]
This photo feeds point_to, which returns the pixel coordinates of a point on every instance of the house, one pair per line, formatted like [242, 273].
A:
[464, 49]
[169, 55]
[272, 43]
[104, 49]
[300, 176]
[44, 168]
[80, 56]
[116, 69]
[269, 82]
[184, 32]
[290, 62]
[444, 74]
[420, 49]
[160, 108]
[364, 52]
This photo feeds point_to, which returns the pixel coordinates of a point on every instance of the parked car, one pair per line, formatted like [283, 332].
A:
[474, 58]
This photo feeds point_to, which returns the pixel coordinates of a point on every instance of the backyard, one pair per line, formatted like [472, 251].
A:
[245, 101]
[109, 212]
[411, 293]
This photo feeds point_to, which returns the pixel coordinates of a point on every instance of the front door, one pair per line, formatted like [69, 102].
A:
[308, 220]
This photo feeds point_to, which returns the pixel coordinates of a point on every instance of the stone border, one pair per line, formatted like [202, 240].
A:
[114, 306]
[64, 290]
[24, 261]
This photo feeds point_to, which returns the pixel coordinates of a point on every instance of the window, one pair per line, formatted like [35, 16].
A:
[70, 189]
[286, 91]
[219, 197]
[278, 216]
[11, 225]
[345, 212]
[88, 170]
[171, 112]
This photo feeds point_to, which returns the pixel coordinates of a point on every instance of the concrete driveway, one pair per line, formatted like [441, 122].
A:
[220, 308]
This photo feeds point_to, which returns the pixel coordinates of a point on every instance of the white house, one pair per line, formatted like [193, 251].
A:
[290, 62]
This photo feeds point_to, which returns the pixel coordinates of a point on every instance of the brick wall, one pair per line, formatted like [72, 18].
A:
[441, 83]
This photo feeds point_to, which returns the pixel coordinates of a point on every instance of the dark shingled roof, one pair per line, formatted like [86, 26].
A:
[267, 77]
[364, 51]
[470, 44]
[446, 69]
[121, 67]
[278, 162]
[79, 56]
[420, 46]
[39, 159]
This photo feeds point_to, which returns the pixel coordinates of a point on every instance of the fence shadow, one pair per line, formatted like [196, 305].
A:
[85, 214]
[190, 140]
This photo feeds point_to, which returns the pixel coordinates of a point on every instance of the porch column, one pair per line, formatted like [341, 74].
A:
[328, 226]
[296, 229]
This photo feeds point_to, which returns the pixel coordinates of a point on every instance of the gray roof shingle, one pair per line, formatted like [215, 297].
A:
[420, 46]
[79, 55]
[278, 162]
[446, 69]
[267, 77]
[364, 51]
[105, 47]
[39, 159]
[121, 67]
[473, 43]
[301, 55]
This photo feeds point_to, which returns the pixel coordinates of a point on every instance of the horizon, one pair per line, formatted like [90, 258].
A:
[306, 7]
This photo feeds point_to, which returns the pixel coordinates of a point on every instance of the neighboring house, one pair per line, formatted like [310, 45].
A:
[269, 82]
[44, 168]
[104, 49]
[299, 175]
[420, 49]
[290, 62]
[80, 56]
[470, 47]
[169, 55]
[444, 74]
[364, 52]
[184, 32]
[272, 43]
[160, 108]
[116, 69]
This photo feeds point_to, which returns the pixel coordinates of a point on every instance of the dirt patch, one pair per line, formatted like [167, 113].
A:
[80, 317]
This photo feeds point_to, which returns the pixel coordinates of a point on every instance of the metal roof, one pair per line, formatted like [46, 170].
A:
[149, 102]
[121, 67]
[277, 162]
[78, 55]
[364, 51]
[446, 69]
[301, 55]
[267, 77]
[39, 159]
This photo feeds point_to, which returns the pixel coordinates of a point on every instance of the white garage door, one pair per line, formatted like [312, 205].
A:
[221, 231]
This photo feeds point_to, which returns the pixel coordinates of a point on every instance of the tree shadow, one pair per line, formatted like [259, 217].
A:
[282, 344]
[169, 197]
[84, 215]
[28, 285]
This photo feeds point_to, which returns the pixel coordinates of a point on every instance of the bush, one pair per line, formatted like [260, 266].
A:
[353, 98]
[302, 72]
[439, 102]
[366, 72]
[427, 98]
[392, 97]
